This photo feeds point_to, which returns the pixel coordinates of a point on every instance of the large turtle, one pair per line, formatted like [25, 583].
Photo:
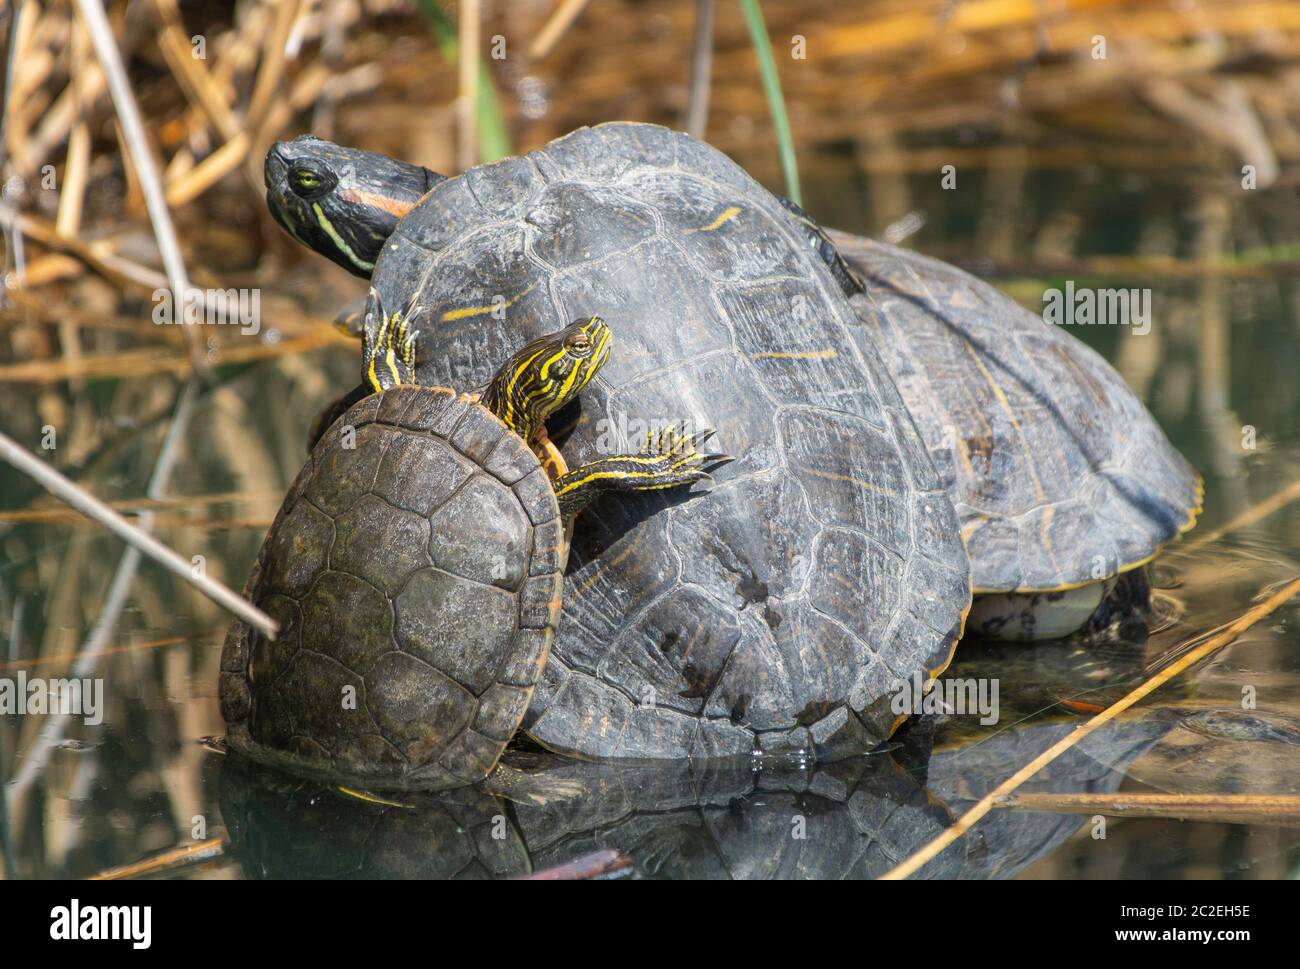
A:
[783, 610]
[415, 570]
[1063, 483]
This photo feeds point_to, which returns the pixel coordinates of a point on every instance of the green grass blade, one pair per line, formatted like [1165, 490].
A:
[493, 139]
[775, 99]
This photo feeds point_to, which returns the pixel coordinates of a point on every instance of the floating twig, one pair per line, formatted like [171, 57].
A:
[189, 855]
[1250, 516]
[96, 641]
[57, 514]
[697, 104]
[1274, 809]
[147, 361]
[609, 861]
[62, 659]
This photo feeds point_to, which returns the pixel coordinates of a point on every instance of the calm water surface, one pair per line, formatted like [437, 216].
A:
[1219, 369]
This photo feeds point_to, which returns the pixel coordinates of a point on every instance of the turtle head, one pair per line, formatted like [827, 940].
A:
[547, 374]
[342, 202]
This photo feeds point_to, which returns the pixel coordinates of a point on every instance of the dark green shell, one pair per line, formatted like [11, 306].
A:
[415, 565]
[1060, 476]
[781, 610]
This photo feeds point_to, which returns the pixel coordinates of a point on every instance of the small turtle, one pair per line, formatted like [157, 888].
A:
[415, 569]
[1063, 484]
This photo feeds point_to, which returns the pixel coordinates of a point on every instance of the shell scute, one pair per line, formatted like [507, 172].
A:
[338, 594]
[419, 473]
[440, 616]
[1042, 430]
[417, 706]
[549, 548]
[299, 550]
[345, 464]
[373, 523]
[480, 534]
[533, 490]
[585, 222]
[675, 652]
[477, 434]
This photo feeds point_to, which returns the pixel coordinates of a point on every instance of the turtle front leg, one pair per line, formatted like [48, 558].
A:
[668, 460]
[388, 347]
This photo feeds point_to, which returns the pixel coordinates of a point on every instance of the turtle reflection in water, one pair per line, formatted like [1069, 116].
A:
[1063, 484]
[855, 818]
[415, 569]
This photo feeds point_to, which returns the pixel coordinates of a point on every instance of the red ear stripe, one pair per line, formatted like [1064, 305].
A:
[394, 207]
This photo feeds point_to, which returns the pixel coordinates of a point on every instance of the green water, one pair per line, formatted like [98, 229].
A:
[1218, 369]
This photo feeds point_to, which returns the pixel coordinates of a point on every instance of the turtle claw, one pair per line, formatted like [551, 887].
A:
[390, 353]
[669, 458]
[669, 441]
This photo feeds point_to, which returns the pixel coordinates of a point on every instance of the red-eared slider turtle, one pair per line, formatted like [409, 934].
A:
[415, 570]
[782, 610]
[1063, 483]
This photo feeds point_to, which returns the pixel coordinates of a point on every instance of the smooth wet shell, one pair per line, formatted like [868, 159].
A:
[412, 567]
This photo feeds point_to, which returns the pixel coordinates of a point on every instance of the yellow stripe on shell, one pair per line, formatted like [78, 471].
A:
[727, 215]
[459, 314]
[796, 355]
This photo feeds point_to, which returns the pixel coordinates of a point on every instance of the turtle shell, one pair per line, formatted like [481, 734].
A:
[782, 609]
[1060, 476]
[415, 571]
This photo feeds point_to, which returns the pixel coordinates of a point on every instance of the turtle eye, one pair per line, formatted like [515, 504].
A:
[578, 343]
[305, 181]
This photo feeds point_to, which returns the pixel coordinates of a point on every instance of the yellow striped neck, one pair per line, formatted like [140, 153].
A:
[546, 374]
